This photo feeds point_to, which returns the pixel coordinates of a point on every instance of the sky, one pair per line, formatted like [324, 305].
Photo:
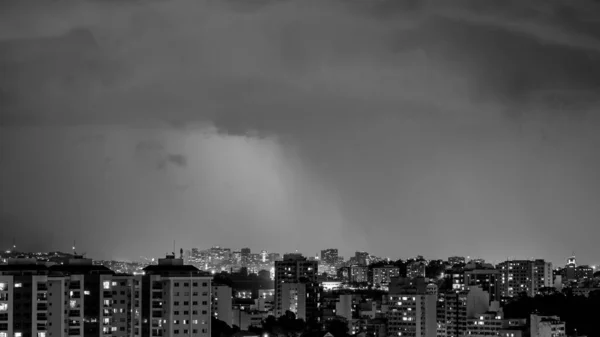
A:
[399, 128]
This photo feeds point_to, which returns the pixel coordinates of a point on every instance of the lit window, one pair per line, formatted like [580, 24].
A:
[3, 334]
[3, 307]
[18, 334]
[3, 287]
[86, 292]
[18, 285]
[41, 334]
[106, 284]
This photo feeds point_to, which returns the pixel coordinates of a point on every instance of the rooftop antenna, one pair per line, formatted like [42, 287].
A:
[74, 252]
[173, 248]
[14, 247]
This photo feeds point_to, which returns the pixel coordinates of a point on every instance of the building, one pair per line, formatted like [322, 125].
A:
[75, 298]
[546, 326]
[383, 275]
[245, 256]
[485, 324]
[329, 256]
[297, 276]
[343, 306]
[525, 276]
[176, 299]
[412, 311]
[461, 305]
[486, 278]
[456, 260]
[416, 269]
[221, 303]
[362, 258]
[359, 274]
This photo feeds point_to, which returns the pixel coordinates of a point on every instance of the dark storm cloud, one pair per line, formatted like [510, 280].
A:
[434, 120]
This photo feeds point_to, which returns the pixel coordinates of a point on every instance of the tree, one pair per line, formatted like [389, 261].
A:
[338, 326]
[220, 328]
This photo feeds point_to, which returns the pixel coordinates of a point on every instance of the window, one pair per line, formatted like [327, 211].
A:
[204, 284]
[195, 321]
[176, 284]
[186, 284]
[186, 322]
[186, 303]
[176, 332]
[41, 334]
[204, 303]
[86, 292]
[18, 334]
[176, 321]
[186, 312]
[203, 312]
[106, 285]
[195, 284]
[3, 307]
[18, 285]
[195, 293]
[176, 303]
[3, 287]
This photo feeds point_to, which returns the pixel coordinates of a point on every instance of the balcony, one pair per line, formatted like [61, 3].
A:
[74, 313]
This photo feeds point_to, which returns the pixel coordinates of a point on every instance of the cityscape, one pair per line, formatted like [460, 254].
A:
[299, 168]
[220, 292]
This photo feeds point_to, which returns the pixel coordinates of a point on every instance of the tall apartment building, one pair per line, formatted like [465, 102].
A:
[295, 277]
[412, 311]
[24, 299]
[222, 303]
[75, 298]
[486, 278]
[359, 274]
[524, 276]
[460, 305]
[176, 300]
[383, 275]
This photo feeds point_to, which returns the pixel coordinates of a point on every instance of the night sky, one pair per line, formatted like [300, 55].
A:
[435, 128]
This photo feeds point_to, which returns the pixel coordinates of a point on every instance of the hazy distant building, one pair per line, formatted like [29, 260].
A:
[456, 260]
[362, 258]
[416, 269]
[329, 256]
[296, 276]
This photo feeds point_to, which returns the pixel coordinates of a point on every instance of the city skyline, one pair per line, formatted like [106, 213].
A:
[429, 129]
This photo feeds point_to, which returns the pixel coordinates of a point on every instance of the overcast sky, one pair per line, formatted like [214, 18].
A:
[430, 128]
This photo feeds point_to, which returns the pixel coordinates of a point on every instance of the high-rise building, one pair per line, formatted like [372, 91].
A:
[222, 303]
[460, 305]
[296, 287]
[329, 256]
[524, 276]
[359, 274]
[383, 275]
[176, 300]
[274, 257]
[412, 311]
[76, 298]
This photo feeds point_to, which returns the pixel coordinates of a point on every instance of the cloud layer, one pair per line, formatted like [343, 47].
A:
[424, 119]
